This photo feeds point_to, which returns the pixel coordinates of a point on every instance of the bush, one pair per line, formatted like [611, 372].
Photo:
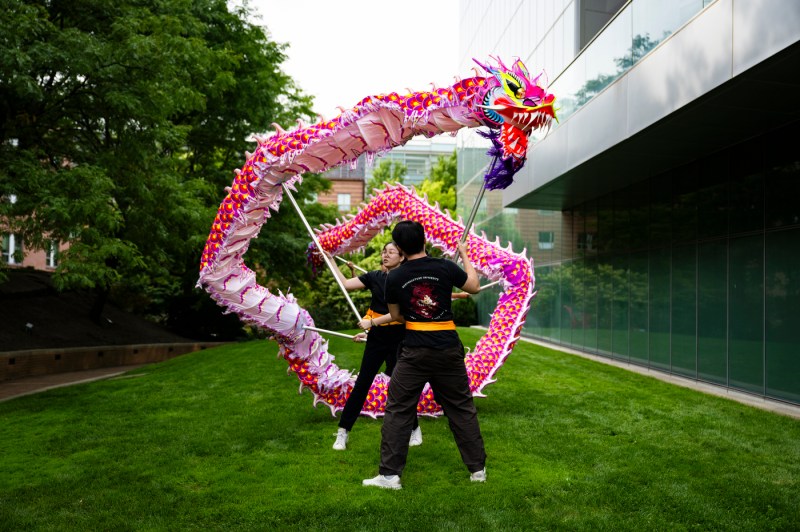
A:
[465, 312]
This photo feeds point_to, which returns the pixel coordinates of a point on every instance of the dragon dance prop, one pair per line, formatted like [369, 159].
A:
[507, 100]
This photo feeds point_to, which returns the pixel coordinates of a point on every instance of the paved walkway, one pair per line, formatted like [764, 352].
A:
[779, 407]
[28, 385]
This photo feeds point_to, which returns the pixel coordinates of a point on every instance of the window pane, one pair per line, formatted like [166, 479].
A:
[590, 306]
[684, 205]
[783, 180]
[746, 289]
[639, 215]
[783, 318]
[638, 331]
[683, 311]
[590, 246]
[6, 247]
[622, 221]
[545, 308]
[547, 239]
[605, 223]
[747, 191]
[659, 307]
[712, 197]
[579, 302]
[712, 312]
[605, 304]
[568, 311]
[567, 231]
[660, 211]
[621, 306]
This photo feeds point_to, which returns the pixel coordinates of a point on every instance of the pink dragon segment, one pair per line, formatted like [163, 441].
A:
[490, 259]
[375, 125]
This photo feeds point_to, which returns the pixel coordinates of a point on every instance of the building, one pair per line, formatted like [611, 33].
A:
[662, 211]
[418, 155]
[13, 254]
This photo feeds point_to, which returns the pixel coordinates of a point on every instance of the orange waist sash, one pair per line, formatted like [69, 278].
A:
[430, 326]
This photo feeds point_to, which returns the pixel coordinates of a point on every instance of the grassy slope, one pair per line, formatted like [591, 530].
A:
[221, 440]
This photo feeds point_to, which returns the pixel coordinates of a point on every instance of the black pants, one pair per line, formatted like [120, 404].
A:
[382, 346]
[444, 369]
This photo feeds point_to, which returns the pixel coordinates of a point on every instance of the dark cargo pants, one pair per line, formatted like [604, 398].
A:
[444, 369]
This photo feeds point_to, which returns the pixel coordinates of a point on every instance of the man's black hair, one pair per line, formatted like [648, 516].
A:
[409, 237]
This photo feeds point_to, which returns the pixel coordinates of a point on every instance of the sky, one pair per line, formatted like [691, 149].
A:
[341, 51]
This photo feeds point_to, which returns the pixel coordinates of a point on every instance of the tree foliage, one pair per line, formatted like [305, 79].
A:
[387, 171]
[440, 186]
[121, 122]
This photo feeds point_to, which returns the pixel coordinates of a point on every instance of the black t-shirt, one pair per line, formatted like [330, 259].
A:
[423, 289]
[375, 282]
[382, 340]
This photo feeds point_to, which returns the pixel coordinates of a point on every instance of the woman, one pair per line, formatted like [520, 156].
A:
[382, 342]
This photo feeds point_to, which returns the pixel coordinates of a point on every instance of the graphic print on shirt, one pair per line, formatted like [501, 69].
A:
[422, 300]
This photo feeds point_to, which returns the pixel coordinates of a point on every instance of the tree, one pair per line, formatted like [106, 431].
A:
[120, 123]
[440, 186]
[388, 171]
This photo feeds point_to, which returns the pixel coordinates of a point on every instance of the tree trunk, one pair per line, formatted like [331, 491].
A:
[99, 303]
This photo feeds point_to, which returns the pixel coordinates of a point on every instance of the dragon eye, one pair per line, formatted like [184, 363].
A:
[512, 85]
[513, 88]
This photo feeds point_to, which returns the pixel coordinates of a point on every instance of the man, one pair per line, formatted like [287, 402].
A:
[418, 292]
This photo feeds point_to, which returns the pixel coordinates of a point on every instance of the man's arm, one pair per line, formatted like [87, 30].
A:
[394, 312]
[473, 285]
[366, 323]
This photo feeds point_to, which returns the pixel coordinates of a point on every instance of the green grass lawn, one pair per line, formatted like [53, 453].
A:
[221, 440]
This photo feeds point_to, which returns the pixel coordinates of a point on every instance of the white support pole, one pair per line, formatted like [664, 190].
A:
[357, 267]
[330, 264]
[326, 331]
[472, 214]
[490, 284]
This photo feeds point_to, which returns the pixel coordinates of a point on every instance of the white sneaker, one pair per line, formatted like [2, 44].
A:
[341, 440]
[478, 476]
[416, 437]
[389, 482]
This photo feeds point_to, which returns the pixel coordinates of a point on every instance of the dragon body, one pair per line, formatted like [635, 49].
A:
[507, 101]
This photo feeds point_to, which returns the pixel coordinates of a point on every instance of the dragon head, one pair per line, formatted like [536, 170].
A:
[515, 104]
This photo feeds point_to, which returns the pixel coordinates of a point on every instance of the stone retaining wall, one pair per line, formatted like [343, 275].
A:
[34, 362]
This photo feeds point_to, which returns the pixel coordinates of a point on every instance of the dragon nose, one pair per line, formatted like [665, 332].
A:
[529, 102]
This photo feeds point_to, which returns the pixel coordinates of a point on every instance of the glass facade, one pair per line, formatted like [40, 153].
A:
[635, 30]
[695, 272]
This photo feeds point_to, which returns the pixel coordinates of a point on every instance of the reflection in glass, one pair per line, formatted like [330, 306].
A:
[659, 307]
[605, 304]
[607, 56]
[569, 313]
[746, 304]
[747, 192]
[783, 318]
[639, 311]
[621, 314]
[635, 31]
[590, 308]
[712, 312]
[683, 311]
[655, 20]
